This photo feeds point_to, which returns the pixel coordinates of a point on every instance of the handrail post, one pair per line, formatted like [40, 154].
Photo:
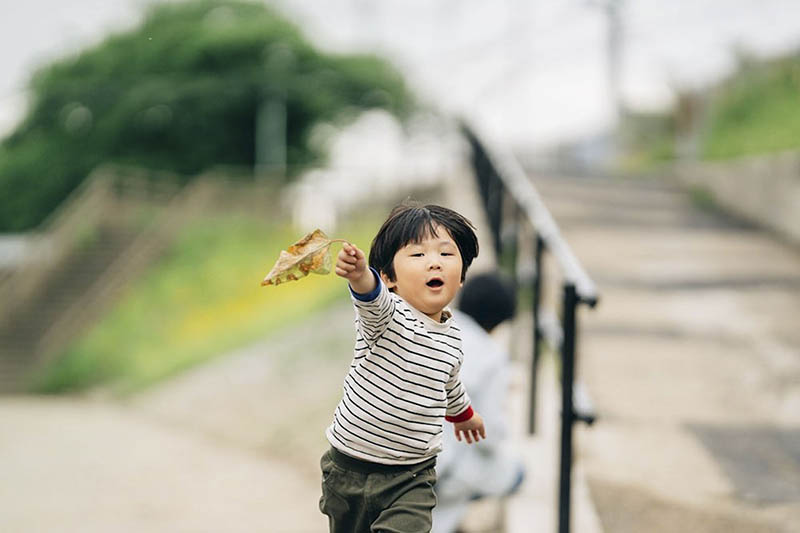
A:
[494, 204]
[510, 235]
[567, 411]
[537, 332]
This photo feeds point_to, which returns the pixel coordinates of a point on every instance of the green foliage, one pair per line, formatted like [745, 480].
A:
[648, 140]
[180, 93]
[757, 111]
[202, 299]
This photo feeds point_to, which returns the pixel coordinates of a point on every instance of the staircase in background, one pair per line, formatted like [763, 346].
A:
[88, 243]
[106, 234]
[27, 324]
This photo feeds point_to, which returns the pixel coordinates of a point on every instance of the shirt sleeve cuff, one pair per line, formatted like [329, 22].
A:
[368, 297]
[461, 417]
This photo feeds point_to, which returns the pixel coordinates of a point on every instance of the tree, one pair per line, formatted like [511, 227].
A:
[181, 92]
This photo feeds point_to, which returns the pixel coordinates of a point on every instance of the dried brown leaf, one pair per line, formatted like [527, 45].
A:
[309, 254]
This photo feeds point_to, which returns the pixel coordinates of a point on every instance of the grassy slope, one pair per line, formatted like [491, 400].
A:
[203, 298]
[757, 112]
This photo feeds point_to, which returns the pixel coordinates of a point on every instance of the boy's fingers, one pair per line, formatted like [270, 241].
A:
[344, 269]
[458, 435]
[483, 431]
[468, 437]
[352, 251]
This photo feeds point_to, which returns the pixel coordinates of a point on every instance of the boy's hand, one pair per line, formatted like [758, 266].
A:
[351, 264]
[472, 429]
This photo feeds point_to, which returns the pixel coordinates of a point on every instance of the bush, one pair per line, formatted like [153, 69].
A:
[180, 93]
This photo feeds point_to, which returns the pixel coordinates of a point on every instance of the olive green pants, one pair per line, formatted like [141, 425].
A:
[363, 497]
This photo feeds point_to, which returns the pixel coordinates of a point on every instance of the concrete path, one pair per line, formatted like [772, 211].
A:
[692, 358]
[72, 466]
[231, 446]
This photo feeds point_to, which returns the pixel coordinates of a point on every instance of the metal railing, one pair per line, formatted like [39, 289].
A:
[510, 198]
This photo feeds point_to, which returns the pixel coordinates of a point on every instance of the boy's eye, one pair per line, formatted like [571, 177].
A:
[418, 254]
[447, 253]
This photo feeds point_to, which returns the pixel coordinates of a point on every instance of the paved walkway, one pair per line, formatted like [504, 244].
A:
[692, 358]
[72, 466]
[232, 446]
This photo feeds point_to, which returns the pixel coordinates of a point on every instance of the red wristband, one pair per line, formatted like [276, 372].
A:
[462, 417]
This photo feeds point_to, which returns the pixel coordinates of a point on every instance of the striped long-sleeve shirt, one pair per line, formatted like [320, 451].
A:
[402, 384]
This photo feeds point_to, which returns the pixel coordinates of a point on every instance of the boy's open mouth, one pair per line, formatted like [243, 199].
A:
[435, 283]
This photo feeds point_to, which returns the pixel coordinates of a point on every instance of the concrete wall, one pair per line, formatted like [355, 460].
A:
[765, 190]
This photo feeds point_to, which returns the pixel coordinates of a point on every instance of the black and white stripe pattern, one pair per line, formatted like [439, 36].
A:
[402, 382]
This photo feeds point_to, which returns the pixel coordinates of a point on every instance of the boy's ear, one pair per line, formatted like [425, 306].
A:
[386, 281]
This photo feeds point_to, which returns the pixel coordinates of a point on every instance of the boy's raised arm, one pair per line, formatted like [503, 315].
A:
[351, 264]
[373, 305]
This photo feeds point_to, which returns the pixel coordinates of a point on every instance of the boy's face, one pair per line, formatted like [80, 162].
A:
[428, 273]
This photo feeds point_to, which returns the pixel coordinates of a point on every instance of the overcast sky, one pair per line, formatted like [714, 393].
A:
[527, 72]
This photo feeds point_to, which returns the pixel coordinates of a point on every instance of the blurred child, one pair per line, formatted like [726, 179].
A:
[403, 382]
[490, 468]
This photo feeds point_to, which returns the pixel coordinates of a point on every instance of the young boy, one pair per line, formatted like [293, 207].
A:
[403, 383]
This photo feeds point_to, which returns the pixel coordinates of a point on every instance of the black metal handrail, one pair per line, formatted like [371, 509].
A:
[500, 176]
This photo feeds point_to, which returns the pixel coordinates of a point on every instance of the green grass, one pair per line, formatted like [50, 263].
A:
[757, 112]
[202, 299]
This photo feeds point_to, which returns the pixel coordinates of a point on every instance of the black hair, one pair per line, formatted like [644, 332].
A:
[410, 223]
[489, 299]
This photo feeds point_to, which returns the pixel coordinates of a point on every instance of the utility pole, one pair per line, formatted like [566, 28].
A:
[612, 9]
[270, 137]
[614, 51]
[271, 118]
